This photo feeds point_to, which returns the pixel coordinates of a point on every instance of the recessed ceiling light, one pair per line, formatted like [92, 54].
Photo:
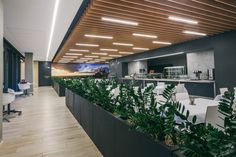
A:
[115, 55]
[140, 48]
[194, 33]
[70, 57]
[161, 42]
[127, 22]
[126, 52]
[96, 53]
[78, 50]
[90, 45]
[92, 56]
[63, 61]
[144, 35]
[167, 55]
[86, 58]
[106, 57]
[81, 60]
[123, 44]
[184, 20]
[114, 50]
[100, 60]
[93, 62]
[74, 54]
[98, 36]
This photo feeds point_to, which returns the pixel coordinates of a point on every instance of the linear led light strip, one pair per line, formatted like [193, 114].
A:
[144, 35]
[74, 54]
[184, 20]
[194, 33]
[173, 54]
[114, 50]
[98, 36]
[125, 52]
[106, 58]
[122, 44]
[161, 42]
[70, 56]
[126, 22]
[91, 56]
[78, 50]
[90, 45]
[96, 53]
[115, 55]
[52, 28]
[140, 48]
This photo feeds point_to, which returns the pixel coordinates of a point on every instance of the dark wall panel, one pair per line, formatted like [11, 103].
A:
[12, 60]
[224, 49]
[44, 74]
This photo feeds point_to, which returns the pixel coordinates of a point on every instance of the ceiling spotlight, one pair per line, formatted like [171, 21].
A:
[194, 33]
[144, 35]
[98, 36]
[90, 45]
[78, 50]
[126, 22]
[114, 50]
[161, 42]
[184, 20]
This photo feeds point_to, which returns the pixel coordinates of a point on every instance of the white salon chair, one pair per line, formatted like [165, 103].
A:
[7, 99]
[9, 90]
[180, 88]
[24, 87]
[213, 117]
[223, 90]
[159, 89]
[181, 96]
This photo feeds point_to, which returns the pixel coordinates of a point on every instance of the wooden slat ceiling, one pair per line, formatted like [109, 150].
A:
[213, 16]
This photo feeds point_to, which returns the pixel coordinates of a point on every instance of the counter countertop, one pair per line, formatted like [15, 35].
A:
[171, 80]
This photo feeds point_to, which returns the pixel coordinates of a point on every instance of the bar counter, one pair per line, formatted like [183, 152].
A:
[203, 88]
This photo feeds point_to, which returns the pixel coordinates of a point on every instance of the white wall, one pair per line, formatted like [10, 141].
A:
[1, 65]
[133, 67]
[200, 61]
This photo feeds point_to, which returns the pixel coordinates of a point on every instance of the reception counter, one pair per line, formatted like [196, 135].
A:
[204, 88]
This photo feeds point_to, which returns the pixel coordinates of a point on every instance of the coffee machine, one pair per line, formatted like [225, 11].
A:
[211, 74]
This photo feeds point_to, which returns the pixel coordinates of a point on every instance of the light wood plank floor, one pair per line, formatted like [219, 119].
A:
[45, 129]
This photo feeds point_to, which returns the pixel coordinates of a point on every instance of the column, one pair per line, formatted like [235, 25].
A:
[1, 65]
[29, 65]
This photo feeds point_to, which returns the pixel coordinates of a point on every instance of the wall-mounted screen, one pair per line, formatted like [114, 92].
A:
[82, 69]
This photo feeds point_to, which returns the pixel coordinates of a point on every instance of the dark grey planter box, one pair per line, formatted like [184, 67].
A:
[104, 132]
[60, 90]
[132, 143]
[112, 135]
[69, 100]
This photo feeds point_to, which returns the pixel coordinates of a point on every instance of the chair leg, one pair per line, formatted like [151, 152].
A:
[5, 119]
[12, 111]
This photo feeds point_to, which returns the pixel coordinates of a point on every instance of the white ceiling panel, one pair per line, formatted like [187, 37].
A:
[27, 24]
